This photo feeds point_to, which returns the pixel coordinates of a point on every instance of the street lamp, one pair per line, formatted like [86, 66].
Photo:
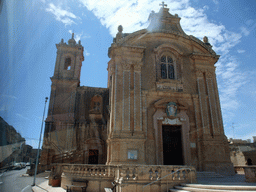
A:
[37, 157]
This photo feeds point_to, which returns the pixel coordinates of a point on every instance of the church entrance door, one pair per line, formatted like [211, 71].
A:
[93, 156]
[172, 145]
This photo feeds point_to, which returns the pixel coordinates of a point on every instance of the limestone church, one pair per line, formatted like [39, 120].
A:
[161, 105]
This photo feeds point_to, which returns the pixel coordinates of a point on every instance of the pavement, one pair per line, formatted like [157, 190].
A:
[238, 179]
[43, 186]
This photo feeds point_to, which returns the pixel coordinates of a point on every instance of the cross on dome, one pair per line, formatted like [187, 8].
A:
[162, 4]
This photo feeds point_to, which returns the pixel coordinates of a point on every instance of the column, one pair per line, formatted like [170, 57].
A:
[118, 96]
[126, 97]
[212, 102]
[137, 98]
[203, 102]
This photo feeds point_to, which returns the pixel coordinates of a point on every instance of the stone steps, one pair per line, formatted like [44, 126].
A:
[208, 175]
[212, 188]
[178, 190]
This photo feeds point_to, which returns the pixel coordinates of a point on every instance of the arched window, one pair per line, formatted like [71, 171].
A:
[67, 64]
[96, 104]
[167, 68]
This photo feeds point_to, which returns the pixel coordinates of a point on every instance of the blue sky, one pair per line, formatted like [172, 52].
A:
[30, 29]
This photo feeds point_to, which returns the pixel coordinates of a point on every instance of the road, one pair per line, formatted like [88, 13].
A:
[13, 181]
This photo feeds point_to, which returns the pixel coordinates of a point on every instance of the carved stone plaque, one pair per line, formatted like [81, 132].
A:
[133, 154]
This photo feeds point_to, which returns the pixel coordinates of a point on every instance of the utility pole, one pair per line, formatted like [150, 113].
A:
[38, 150]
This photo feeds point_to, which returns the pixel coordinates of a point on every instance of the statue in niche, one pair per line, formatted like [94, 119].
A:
[171, 109]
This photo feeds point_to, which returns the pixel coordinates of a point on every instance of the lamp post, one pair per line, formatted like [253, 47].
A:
[38, 150]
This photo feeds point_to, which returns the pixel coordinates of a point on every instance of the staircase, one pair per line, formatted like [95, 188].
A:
[212, 188]
[208, 175]
[214, 182]
[69, 157]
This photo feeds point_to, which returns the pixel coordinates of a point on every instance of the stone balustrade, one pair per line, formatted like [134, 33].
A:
[85, 170]
[249, 172]
[126, 176]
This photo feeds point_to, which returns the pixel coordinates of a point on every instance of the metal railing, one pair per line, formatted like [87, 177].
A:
[56, 147]
[167, 179]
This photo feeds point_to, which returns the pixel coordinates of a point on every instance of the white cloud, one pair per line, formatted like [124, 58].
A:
[245, 31]
[241, 51]
[206, 7]
[62, 15]
[249, 22]
[133, 15]
[23, 117]
[86, 53]
[9, 96]
[216, 2]
[79, 36]
[230, 80]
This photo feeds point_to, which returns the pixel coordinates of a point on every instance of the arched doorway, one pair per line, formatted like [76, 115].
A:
[172, 138]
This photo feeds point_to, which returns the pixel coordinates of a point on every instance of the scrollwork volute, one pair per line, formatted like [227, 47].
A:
[137, 67]
[199, 73]
[126, 66]
[111, 70]
[209, 74]
[54, 86]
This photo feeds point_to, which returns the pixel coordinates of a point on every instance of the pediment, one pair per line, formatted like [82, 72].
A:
[168, 47]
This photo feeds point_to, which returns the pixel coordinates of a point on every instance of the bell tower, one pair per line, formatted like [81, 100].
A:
[69, 60]
[61, 111]
[65, 80]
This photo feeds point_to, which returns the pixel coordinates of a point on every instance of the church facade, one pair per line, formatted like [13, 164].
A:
[161, 106]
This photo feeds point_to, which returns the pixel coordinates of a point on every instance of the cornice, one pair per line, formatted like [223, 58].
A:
[202, 56]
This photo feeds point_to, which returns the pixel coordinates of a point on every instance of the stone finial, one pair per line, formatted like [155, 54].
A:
[206, 42]
[119, 35]
[120, 28]
[205, 39]
[79, 42]
[151, 15]
[62, 41]
[72, 40]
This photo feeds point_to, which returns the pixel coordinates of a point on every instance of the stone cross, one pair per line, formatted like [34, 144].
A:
[162, 4]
